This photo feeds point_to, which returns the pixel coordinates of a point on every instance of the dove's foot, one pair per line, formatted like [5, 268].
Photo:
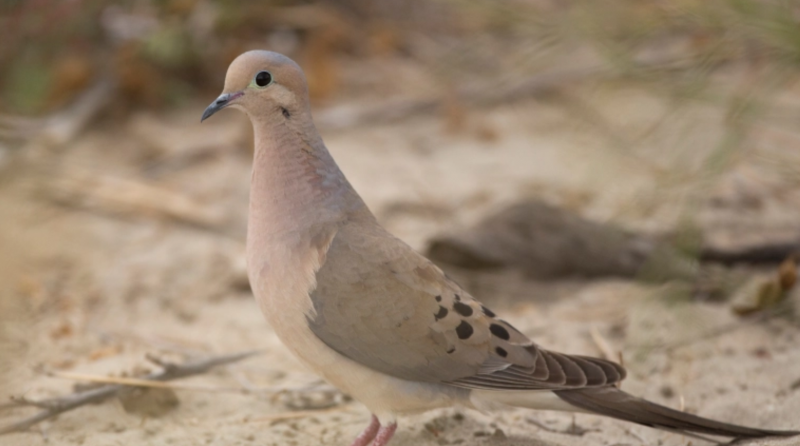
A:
[365, 437]
[385, 433]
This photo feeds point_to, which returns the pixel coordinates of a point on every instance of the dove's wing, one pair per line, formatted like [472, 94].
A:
[380, 303]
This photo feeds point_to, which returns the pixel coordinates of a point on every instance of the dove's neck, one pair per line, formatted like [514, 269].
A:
[296, 185]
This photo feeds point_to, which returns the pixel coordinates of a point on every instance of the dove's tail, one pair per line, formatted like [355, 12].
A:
[612, 402]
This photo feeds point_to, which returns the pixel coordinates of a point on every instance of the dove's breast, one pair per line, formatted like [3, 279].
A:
[282, 292]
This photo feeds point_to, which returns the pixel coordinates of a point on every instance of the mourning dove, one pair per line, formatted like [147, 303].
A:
[372, 316]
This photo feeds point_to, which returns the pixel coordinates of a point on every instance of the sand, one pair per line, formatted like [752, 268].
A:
[103, 284]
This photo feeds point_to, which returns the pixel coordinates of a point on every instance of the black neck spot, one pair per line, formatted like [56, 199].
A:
[286, 113]
[499, 331]
[464, 330]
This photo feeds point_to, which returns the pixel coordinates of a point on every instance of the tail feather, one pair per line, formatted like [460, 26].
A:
[615, 403]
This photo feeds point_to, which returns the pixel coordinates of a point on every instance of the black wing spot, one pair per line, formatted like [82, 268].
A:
[451, 350]
[286, 113]
[462, 309]
[501, 351]
[464, 330]
[458, 298]
[487, 311]
[438, 298]
[500, 332]
[441, 314]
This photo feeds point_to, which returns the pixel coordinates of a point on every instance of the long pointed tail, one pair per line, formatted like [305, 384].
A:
[615, 403]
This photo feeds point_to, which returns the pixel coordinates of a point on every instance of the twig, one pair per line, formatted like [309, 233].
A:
[56, 406]
[128, 196]
[62, 126]
[606, 350]
[139, 382]
[21, 401]
[166, 365]
[765, 253]
[602, 345]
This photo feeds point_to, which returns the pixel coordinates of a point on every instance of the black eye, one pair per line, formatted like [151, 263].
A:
[263, 78]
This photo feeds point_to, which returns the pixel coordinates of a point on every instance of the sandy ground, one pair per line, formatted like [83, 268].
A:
[105, 283]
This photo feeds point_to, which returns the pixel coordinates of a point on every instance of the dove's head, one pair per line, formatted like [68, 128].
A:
[264, 85]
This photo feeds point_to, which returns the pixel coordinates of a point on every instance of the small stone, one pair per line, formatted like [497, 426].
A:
[432, 429]
[499, 434]
[149, 402]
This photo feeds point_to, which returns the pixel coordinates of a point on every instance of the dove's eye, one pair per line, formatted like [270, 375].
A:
[263, 78]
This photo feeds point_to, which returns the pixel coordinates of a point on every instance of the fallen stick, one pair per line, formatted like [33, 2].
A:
[602, 345]
[126, 196]
[55, 406]
[775, 252]
[139, 382]
[64, 125]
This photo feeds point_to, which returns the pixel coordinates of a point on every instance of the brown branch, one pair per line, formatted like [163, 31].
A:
[64, 125]
[84, 189]
[764, 253]
[55, 406]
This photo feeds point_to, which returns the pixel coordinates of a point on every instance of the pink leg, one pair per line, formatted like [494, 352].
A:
[385, 433]
[365, 437]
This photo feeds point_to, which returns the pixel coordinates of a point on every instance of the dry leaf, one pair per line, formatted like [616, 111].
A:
[765, 290]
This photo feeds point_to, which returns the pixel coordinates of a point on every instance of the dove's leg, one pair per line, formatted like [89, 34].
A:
[385, 433]
[365, 437]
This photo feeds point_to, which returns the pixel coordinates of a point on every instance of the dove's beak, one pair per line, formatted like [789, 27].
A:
[221, 102]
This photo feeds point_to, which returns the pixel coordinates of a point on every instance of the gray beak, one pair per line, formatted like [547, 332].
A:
[222, 101]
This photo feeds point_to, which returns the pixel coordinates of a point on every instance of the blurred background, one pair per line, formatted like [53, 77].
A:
[622, 178]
